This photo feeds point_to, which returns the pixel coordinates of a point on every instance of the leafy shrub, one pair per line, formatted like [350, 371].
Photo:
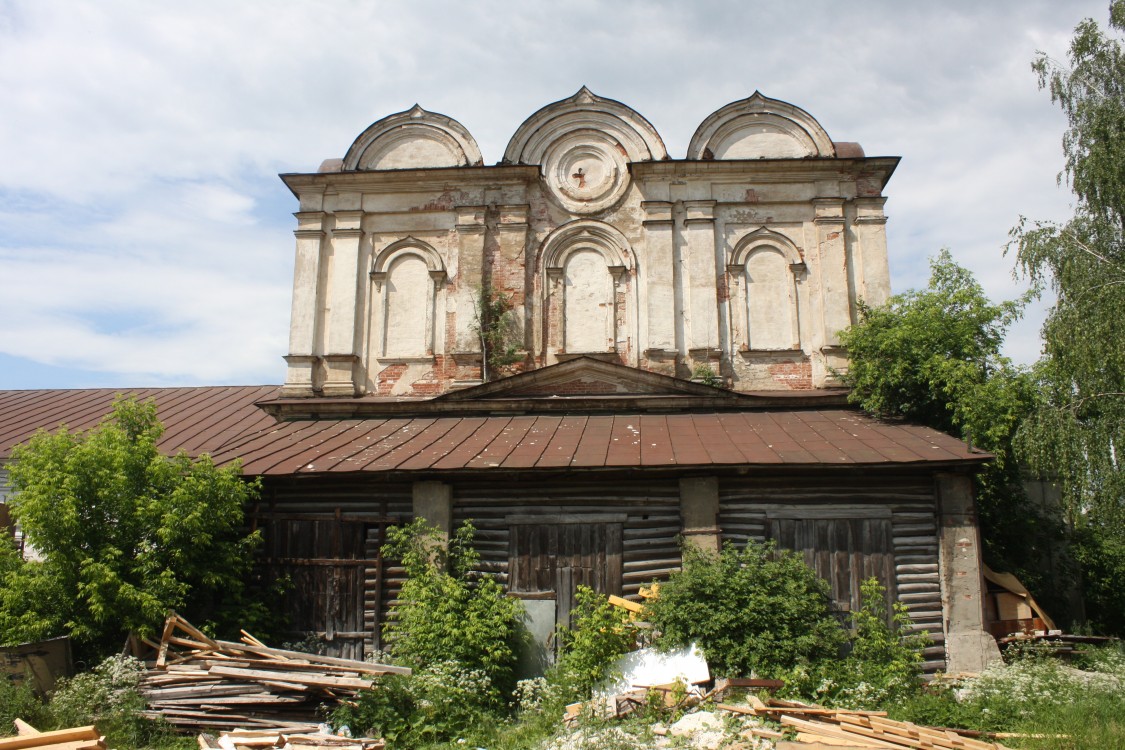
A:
[447, 612]
[439, 702]
[884, 664]
[19, 701]
[109, 696]
[600, 635]
[752, 611]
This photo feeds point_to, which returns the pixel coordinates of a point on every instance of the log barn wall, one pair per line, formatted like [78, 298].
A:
[651, 511]
[912, 573]
[373, 504]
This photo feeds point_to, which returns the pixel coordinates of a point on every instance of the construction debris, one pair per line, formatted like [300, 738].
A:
[275, 739]
[198, 683]
[817, 725]
[29, 738]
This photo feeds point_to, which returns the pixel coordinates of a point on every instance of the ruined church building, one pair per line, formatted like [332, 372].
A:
[675, 327]
[744, 260]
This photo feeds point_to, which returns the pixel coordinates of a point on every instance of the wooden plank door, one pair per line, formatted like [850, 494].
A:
[842, 551]
[326, 564]
[551, 560]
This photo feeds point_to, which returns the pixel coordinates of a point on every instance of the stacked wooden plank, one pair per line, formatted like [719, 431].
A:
[816, 725]
[75, 738]
[250, 739]
[196, 682]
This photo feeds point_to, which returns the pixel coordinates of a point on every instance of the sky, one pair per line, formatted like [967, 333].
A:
[145, 239]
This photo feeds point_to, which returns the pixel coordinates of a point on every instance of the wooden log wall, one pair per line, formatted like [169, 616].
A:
[374, 504]
[651, 509]
[745, 504]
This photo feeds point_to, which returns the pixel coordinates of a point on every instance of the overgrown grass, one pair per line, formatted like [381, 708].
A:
[1058, 706]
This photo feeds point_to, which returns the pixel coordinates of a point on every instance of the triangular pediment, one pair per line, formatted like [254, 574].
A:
[584, 377]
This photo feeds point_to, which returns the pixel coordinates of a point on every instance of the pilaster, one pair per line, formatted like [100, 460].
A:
[343, 288]
[660, 340]
[969, 648]
[699, 234]
[871, 235]
[832, 264]
[305, 312]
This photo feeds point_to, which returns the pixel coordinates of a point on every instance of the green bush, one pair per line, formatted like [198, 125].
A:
[752, 611]
[109, 695]
[600, 635]
[440, 702]
[884, 664]
[447, 612]
[19, 701]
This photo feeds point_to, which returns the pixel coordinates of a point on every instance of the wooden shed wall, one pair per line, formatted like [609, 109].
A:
[651, 526]
[373, 504]
[746, 504]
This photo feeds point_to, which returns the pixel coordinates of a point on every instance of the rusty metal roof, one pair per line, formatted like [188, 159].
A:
[822, 438]
[196, 420]
[225, 422]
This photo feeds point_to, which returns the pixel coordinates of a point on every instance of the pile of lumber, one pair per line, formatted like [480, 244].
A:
[29, 738]
[251, 739]
[857, 729]
[198, 683]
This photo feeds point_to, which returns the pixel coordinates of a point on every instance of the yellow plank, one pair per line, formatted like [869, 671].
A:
[59, 736]
[617, 601]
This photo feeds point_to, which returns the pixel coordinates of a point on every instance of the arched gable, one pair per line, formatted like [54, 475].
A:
[760, 128]
[413, 139]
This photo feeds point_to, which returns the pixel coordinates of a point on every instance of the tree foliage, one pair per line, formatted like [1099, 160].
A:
[755, 610]
[1076, 434]
[933, 356]
[124, 534]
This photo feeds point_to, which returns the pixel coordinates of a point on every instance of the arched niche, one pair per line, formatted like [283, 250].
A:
[765, 277]
[407, 280]
[760, 128]
[583, 146]
[589, 304]
[413, 139]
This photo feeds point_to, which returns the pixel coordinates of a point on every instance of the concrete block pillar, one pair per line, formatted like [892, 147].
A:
[969, 648]
[699, 512]
[344, 278]
[433, 501]
[305, 316]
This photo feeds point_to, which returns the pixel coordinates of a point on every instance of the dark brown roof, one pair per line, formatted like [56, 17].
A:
[225, 422]
[196, 420]
[838, 437]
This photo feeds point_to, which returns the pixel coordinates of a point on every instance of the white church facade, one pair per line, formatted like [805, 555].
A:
[743, 259]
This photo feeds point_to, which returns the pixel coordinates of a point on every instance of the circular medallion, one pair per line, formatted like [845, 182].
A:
[586, 171]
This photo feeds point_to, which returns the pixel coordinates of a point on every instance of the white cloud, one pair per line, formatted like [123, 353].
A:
[142, 231]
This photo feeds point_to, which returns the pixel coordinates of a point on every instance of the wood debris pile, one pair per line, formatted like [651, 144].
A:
[75, 738]
[856, 729]
[264, 739]
[196, 682]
